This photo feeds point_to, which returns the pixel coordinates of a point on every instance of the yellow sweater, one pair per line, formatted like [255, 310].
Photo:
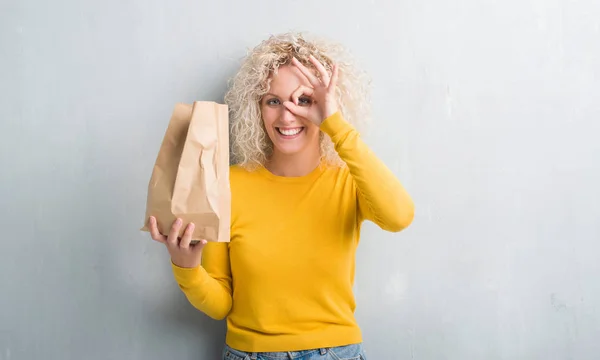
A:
[285, 280]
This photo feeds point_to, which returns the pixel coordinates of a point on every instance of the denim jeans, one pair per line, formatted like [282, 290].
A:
[347, 352]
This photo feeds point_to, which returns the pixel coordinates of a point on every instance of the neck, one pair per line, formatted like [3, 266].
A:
[293, 165]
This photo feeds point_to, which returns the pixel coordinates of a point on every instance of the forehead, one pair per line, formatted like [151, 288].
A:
[287, 79]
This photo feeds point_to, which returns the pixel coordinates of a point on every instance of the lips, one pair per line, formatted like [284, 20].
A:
[289, 133]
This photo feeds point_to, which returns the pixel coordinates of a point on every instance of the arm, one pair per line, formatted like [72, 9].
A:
[381, 197]
[208, 286]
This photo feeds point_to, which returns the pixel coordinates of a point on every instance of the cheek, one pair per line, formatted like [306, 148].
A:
[269, 116]
[313, 130]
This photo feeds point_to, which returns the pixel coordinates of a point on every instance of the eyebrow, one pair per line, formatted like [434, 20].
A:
[277, 96]
[266, 97]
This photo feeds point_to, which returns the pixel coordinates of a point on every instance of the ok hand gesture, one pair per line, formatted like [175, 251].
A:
[323, 102]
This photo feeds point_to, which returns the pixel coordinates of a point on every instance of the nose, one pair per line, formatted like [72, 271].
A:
[287, 116]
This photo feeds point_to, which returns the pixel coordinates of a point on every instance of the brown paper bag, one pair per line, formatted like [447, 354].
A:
[190, 179]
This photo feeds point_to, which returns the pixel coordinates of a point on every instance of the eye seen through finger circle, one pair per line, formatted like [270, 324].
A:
[304, 101]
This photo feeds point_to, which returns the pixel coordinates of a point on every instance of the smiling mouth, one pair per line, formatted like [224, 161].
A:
[289, 131]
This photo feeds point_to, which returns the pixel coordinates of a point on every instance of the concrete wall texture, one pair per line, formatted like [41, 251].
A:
[488, 111]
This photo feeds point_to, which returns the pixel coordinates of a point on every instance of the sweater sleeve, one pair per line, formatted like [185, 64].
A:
[381, 197]
[208, 286]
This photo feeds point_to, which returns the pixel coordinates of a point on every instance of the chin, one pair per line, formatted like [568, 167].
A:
[289, 150]
[290, 147]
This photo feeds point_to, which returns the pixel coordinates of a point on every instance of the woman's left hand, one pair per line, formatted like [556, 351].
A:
[323, 101]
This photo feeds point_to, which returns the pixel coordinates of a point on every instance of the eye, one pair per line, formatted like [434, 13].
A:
[304, 100]
[272, 102]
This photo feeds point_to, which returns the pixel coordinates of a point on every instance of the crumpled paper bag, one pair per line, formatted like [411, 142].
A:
[190, 179]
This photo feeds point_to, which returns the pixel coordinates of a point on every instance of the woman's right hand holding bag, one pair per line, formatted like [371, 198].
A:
[183, 253]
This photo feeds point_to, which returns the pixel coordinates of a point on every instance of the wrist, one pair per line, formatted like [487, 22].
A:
[335, 125]
[186, 265]
[329, 111]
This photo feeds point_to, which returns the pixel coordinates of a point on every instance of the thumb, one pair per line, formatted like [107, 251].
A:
[197, 248]
[301, 111]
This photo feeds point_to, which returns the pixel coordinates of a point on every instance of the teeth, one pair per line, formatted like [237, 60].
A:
[290, 132]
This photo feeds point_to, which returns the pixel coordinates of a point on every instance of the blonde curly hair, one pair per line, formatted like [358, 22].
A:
[251, 146]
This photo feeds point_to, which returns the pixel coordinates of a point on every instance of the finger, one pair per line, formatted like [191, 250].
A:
[199, 246]
[306, 72]
[300, 91]
[321, 69]
[334, 79]
[154, 233]
[301, 111]
[186, 239]
[161, 239]
[174, 234]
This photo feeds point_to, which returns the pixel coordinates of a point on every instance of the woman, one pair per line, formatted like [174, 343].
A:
[302, 185]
